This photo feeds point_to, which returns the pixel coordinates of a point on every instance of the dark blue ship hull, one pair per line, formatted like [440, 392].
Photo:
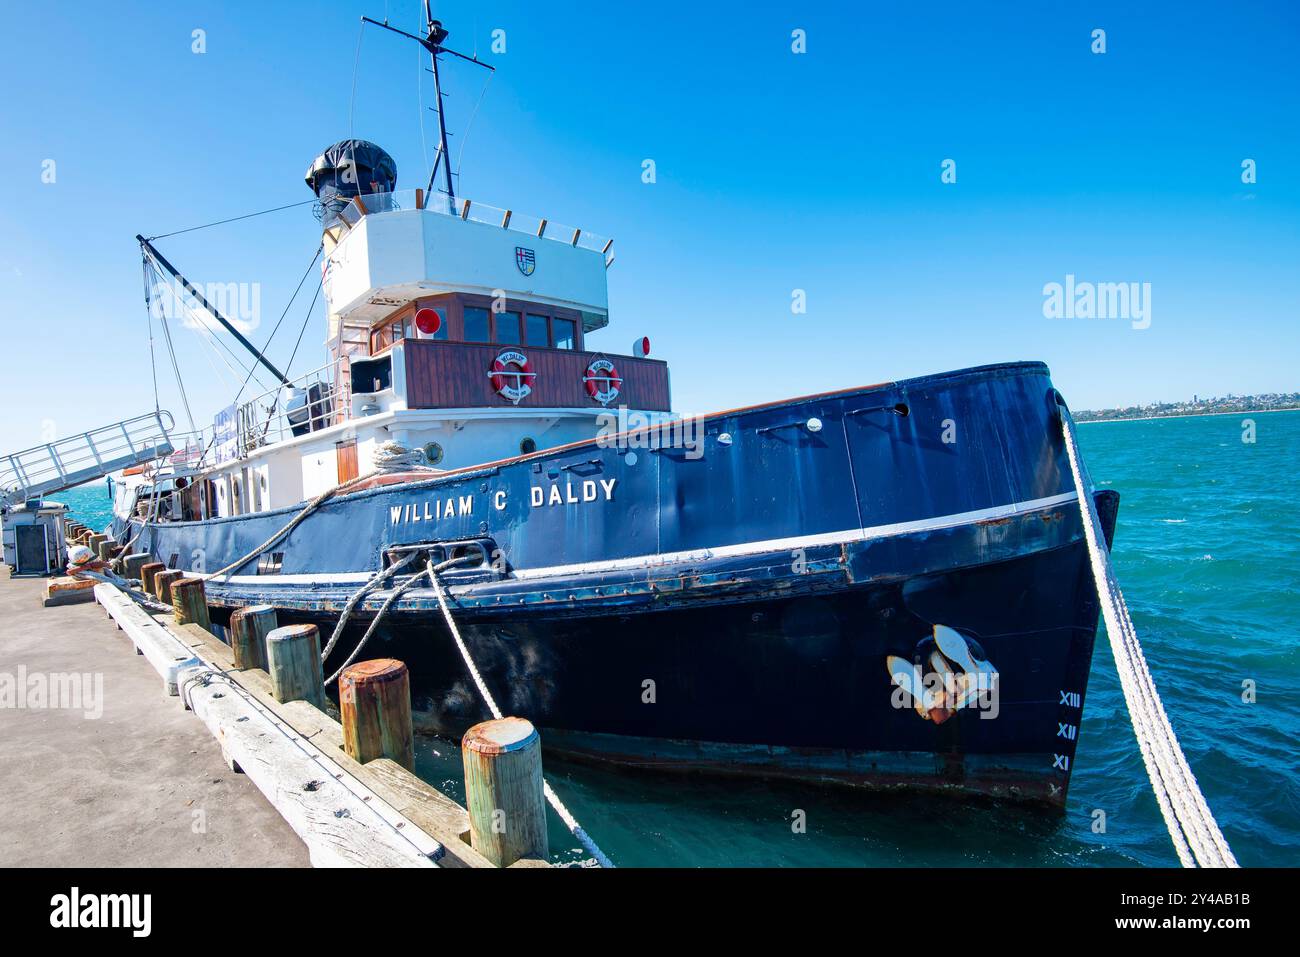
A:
[739, 609]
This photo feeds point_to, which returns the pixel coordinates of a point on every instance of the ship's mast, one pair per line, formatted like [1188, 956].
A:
[436, 34]
[432, 41]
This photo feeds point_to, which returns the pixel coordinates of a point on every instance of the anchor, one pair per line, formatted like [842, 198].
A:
[958, 673]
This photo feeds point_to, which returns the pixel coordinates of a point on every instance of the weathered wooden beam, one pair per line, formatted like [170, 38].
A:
[342, 824]
[68, 591]
[375, 703]
[190, 602]
[432, 811]
[248, 630]
[163, 650]
[293, 659]
[503, 790]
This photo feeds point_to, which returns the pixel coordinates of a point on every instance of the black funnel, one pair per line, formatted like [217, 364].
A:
[346, 169]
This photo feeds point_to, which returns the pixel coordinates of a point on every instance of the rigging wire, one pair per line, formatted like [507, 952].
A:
[305, 320]
[201, 323]
[356, 64]
[180, 383]
[460, 157]
[233, 219]
[209, 337]
[148, 313]
[287, 307]
[419, 72]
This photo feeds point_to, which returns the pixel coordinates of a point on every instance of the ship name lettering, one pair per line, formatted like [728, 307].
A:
[573, 493]
[431, 510]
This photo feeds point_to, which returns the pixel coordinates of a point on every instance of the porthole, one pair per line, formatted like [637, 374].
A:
[433, 453]
[527, 446]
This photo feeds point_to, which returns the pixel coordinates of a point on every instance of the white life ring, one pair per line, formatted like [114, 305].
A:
[512, 383]
[602, 381]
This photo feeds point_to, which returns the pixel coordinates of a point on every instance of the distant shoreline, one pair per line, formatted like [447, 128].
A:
[1184, 415]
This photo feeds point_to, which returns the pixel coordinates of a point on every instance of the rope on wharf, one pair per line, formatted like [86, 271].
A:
[1192, 827]
[121, 584]
[552, 798]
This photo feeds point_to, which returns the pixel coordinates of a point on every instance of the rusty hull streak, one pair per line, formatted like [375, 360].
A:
[953, 781]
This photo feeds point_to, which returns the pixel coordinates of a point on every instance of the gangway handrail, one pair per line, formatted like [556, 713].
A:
[64, 463]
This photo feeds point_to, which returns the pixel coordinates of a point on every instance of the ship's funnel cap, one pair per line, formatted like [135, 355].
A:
[348, 168]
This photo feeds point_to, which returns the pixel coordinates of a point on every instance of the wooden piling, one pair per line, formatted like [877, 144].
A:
[162, 584]
[191, 603]
[375, 703]
[248, 630]
[503, 790]
[293, 659]
[94, 543]
[147, 572]
[133, 563]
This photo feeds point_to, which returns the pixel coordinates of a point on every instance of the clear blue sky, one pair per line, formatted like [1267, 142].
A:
[776, 171]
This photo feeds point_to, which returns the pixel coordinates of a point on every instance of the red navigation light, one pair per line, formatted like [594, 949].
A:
[641, 347]
[428, 322]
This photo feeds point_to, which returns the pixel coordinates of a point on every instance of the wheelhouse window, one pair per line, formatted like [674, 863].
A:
[466, 318]
[565, 335]
[508, 328]
[476, 325]
[538, 330]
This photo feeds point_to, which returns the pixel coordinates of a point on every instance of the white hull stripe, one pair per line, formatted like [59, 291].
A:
[703, 554]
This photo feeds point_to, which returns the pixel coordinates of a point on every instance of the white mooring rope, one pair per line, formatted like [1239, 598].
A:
[552, 798]
[1192, 827]
[141, 598]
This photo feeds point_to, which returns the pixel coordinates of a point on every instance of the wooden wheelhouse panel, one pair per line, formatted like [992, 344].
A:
[447, 375]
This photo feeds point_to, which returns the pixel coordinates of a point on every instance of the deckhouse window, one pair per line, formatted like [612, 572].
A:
[476, 325]
[508, 328]
[564, 334]
[538, 330]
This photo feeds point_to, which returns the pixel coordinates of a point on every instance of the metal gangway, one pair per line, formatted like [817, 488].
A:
[65, 463]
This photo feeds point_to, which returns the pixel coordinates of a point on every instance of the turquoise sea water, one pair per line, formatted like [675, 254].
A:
[1208, 553]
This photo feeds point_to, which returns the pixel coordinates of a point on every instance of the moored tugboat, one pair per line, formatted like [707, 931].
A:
[882, 586]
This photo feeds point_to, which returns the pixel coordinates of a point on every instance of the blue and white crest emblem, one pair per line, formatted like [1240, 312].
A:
[526, 260]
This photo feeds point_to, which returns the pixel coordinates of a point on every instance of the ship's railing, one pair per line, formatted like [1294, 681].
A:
[65, 463]
[312, 402]
[476, 212]
[192, 451]
[277, 414]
